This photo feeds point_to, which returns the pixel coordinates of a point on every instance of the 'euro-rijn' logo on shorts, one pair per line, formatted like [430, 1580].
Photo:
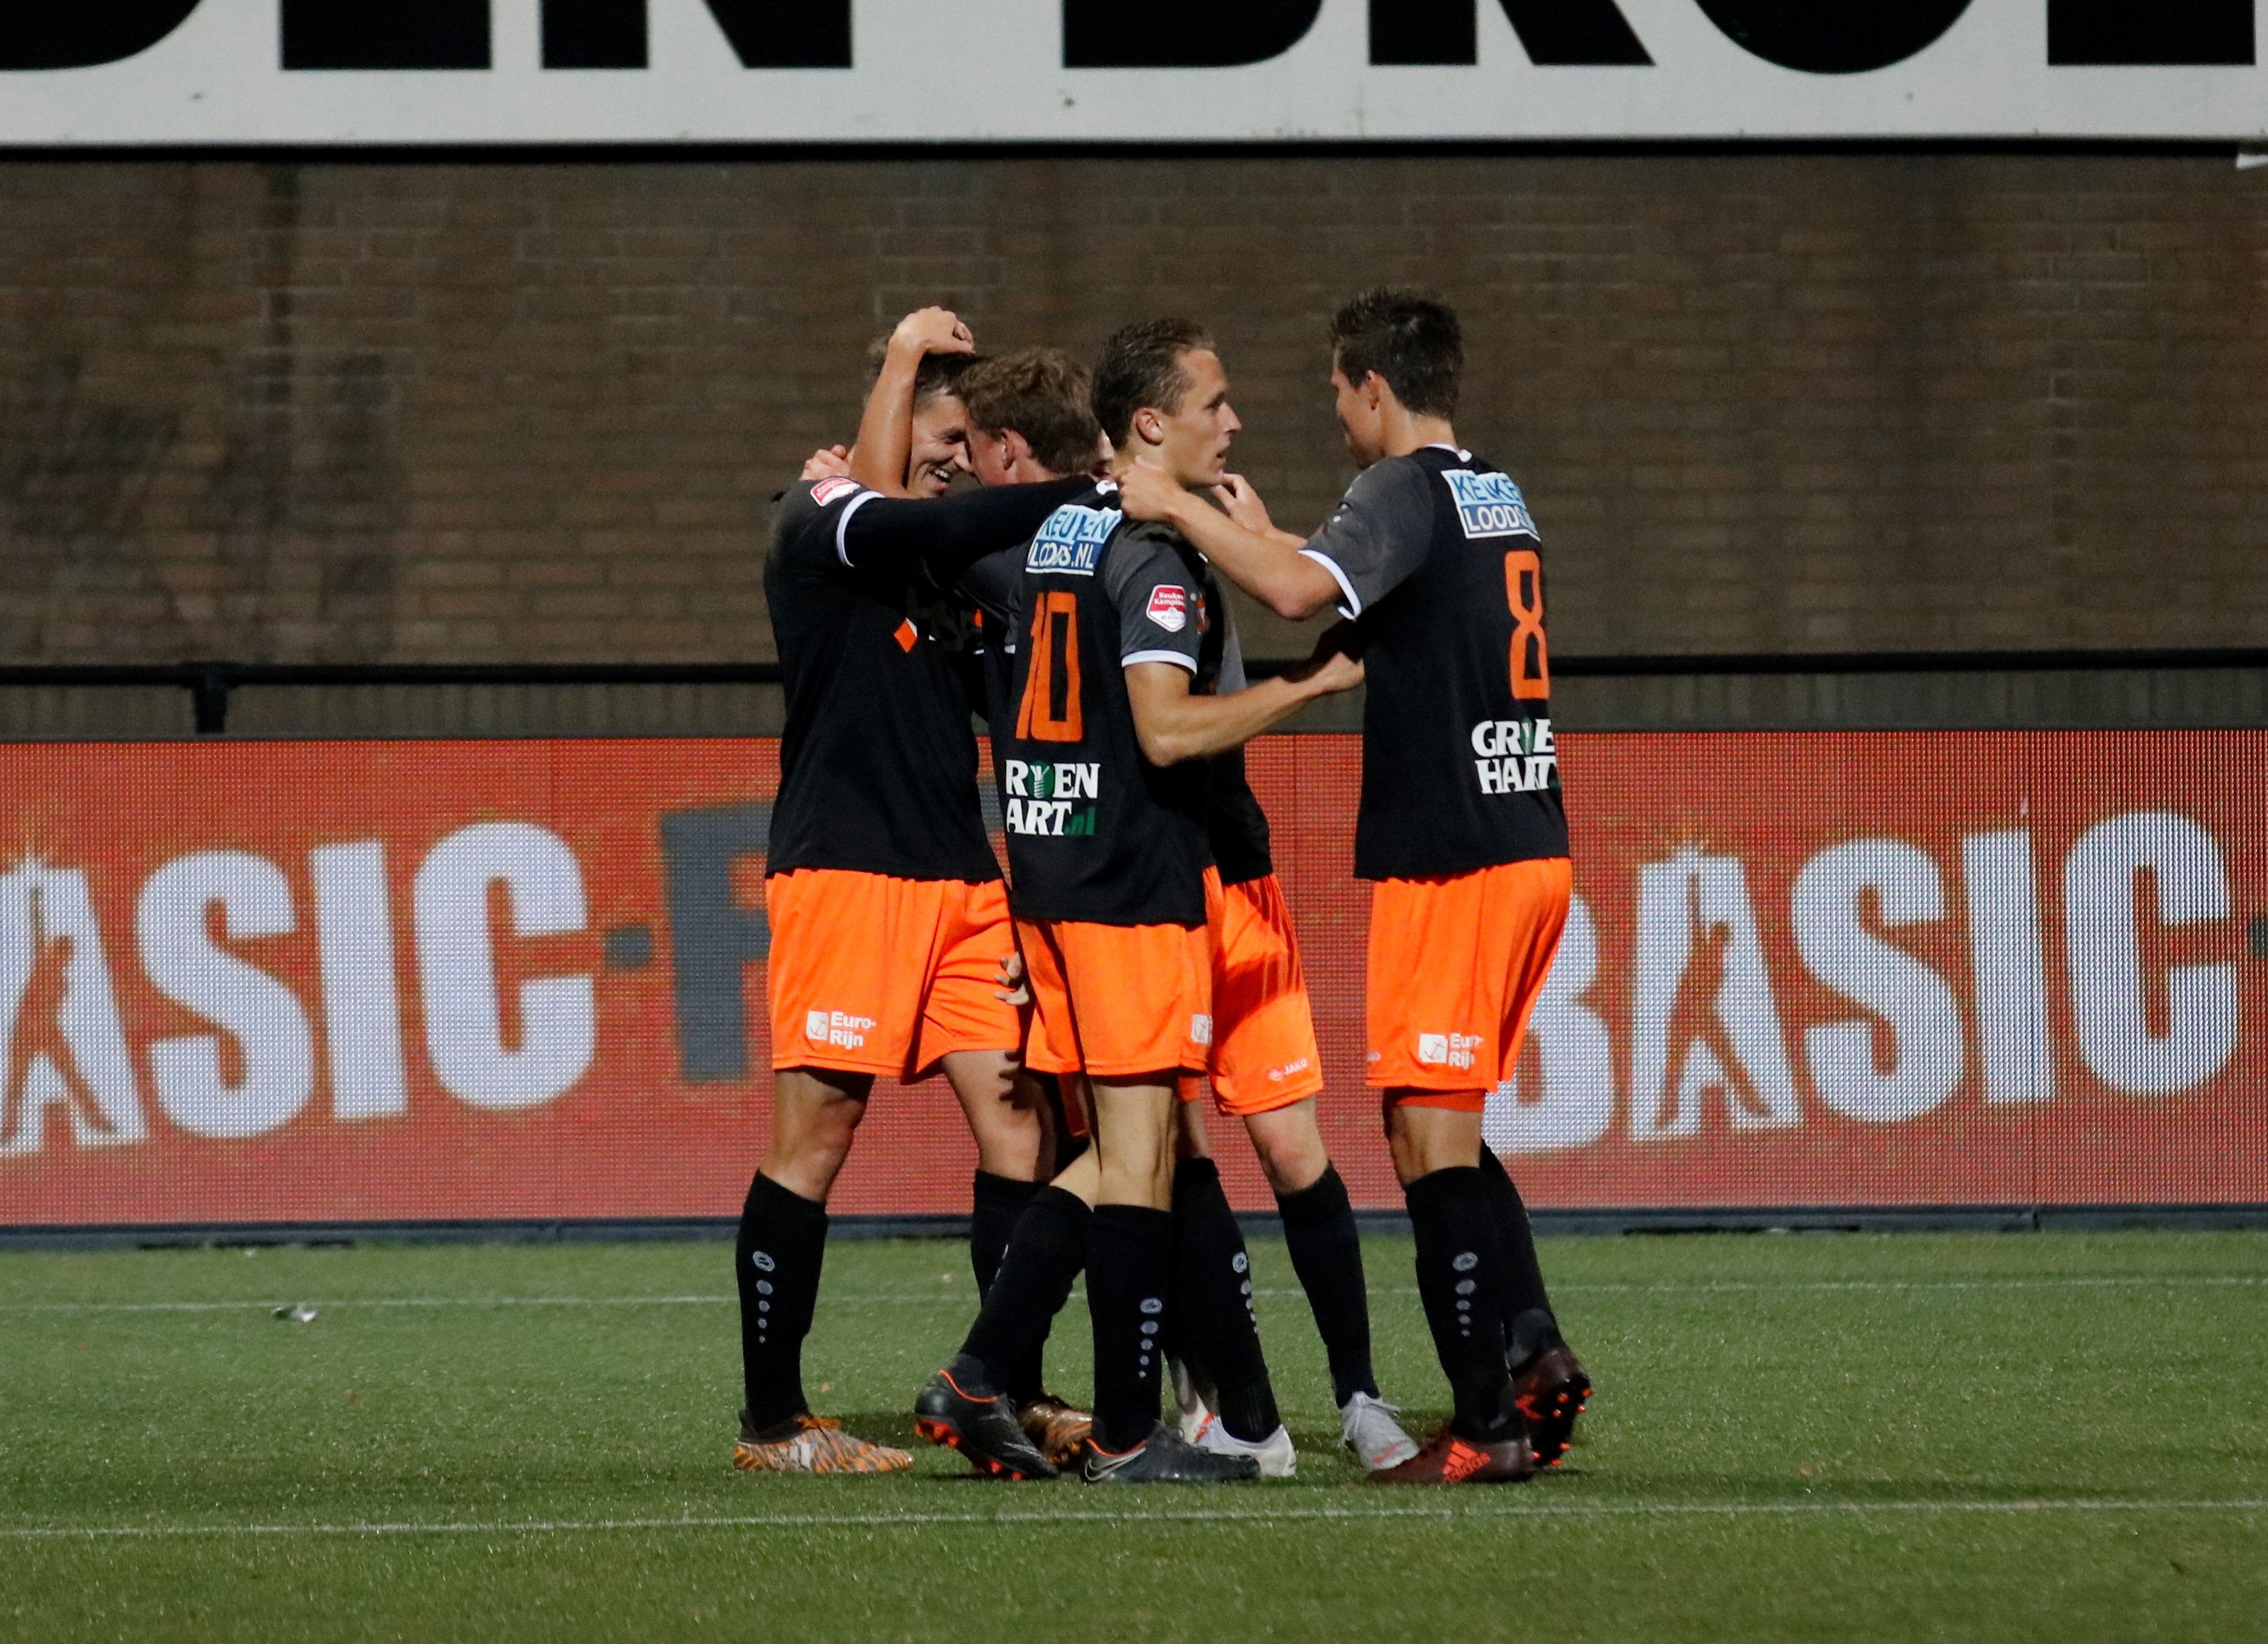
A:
[1489, 505]
[1447, 1049]
[1069, 544]
[836, 1029]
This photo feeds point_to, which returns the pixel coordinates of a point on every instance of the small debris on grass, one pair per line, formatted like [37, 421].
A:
[297, 1313]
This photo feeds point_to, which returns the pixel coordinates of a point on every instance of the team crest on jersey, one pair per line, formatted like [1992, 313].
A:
[1069, 544]
[1169, 608]
[1489, 505]
[832, 491]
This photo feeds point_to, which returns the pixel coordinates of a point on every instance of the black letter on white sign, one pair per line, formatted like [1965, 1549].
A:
[400, 35]
[594, 34]
[85, 36]
[2173, 32]
[1854, 37]
[1555, 33]
[1183, 34]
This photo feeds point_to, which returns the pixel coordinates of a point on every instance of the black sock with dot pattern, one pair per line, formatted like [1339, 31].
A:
[1129, 1264]
[1460, 1279]
[775, 1263]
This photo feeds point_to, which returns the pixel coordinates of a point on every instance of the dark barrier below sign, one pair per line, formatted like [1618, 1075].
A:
[262, 984]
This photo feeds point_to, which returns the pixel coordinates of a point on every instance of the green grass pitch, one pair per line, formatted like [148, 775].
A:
[2048, 1436]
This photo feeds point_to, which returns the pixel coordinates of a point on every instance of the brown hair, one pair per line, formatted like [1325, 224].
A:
[1040, 394]
[1141, 365]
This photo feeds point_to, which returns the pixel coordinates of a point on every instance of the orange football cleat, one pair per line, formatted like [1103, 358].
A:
[813, 1444]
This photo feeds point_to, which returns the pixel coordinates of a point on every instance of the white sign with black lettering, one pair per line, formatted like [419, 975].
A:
[602, 71]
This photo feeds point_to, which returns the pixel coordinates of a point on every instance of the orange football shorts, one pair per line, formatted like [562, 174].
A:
[1114, 1000]
[871, 974]
[1455, 966]
[1264, 1030]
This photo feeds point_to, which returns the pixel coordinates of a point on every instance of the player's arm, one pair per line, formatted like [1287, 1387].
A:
[948, 533]
[1242, 504]
[886, 430]
[1270, 568]
[1173, 724]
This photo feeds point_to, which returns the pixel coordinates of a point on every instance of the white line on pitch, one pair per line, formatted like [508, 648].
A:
[1131, 1514]
[962, 1297]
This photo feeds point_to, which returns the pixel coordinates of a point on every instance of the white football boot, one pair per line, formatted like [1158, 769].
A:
[1195, 1414]
[1372, 1433]
[1277, 1458]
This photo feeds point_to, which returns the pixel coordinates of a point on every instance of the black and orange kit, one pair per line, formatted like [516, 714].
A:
[1113, 887]
[888, 918]
[1461, 822]
[1264, 1054]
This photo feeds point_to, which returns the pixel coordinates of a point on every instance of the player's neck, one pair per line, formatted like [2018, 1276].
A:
[1406, 432]
[1149, 459]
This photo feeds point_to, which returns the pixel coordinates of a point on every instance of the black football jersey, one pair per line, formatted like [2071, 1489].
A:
[1096, 833]
[1438, 559]
[877, 763]
[990, 588]
[1236, 826]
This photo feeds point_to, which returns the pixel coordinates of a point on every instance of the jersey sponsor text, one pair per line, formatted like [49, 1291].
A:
[1069, 544]
[1516, 756]
[1042, 799]
[1489, 505]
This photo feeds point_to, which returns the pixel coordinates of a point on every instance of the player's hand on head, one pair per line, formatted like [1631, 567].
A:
[1148, 493]
[828, 462]
[1241, 503]
[934, 331]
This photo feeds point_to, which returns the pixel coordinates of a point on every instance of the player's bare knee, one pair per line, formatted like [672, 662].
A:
[815, 1114]
[1289, 1147]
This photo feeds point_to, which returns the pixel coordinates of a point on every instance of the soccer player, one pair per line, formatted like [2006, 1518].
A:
[1122, 638]
[889, 923]
[1462, 829]
[1025, 424]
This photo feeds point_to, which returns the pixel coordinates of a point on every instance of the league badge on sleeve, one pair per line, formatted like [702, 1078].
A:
[1169, 608]
[832, 491]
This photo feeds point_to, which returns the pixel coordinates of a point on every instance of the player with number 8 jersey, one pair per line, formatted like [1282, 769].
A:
[1435, 556]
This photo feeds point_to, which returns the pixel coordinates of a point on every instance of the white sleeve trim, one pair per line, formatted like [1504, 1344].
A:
[1353, 605]
[842, 524]
[1173, 657]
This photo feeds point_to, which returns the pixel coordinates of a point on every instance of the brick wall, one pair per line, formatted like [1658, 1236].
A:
[533, 411]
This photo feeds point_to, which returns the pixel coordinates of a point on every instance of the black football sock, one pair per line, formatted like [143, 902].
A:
[999, 1201]
[1036, 1271]
[1529, 1324]
[1460, 1279]
[1327, 1254]
[995, 1203]
[1212, 1302]
[775, 1263]
[1129, 1277]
